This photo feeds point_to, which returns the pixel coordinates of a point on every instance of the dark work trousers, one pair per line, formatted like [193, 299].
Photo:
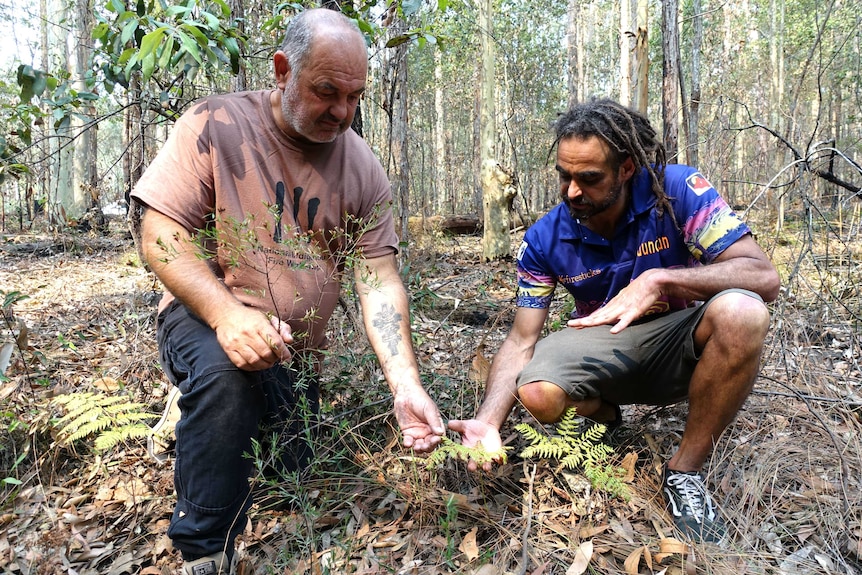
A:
[224, 409]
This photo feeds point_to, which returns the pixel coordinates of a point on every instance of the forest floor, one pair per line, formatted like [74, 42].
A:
[787, 474]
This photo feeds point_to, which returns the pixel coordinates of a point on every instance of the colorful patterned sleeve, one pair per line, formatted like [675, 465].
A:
[535, 289]
[711, 226]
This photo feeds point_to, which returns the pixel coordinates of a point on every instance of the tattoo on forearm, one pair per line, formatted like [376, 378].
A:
[387, 322]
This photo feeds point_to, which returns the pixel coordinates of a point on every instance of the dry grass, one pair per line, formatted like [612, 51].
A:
[786, 474]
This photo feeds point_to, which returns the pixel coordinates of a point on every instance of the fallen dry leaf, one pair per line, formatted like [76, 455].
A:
[583, 556]
[629, 462]
[480, 367]
[468, 545]
[633, 561]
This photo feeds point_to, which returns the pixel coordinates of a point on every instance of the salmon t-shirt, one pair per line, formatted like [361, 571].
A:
[279, 219]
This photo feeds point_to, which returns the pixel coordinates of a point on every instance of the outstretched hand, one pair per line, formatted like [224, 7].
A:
[419, 420]
[475, 432]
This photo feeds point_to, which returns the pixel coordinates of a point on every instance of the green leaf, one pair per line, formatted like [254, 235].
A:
[398, 40]
[190, 46]
[31, 81]
[100, 32]
[410, 7]
[167, 52]
[222, 57]
[176, 10]
[128, 31]
[130, 65]
[233, 49]
[225, 9]
[63, 123]
[116, 6]
[150, 42]
[211, 20]
[148, 65]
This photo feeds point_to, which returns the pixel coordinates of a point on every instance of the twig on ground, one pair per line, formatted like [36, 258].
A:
[525, 538]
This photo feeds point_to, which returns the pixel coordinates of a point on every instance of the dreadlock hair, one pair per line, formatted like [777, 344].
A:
[628, 134]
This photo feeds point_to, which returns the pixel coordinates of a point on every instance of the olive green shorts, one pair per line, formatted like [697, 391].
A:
[649, 362]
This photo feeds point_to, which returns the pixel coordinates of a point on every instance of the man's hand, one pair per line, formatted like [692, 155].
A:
[251, 340]
[419, 420]
[630, 304]
[473, 432]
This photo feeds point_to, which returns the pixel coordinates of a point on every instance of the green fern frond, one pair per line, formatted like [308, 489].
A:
[530, 433]
[573, 460]
[455, 450]
[82, 404]
[113, 437]
[594, 433]
[608, 478]
[569, 425]
[111, 418]
[544, 451]
[576, 448]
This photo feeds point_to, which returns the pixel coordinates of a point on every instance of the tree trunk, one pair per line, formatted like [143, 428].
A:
[573, 51]
[694, 99]
[63, 199]
[441, 187]
[670, 81]
[85, 180]
[394, 77]
[625, 53]
[640, 90]
[495, 237]
[46, 145]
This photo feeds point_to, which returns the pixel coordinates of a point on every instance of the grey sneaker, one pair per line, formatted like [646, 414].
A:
[162, 433]
[691, 506]
[216, 564]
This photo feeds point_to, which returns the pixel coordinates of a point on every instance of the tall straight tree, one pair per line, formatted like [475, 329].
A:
[670, 76]
[495, 238]
[441, 188]
[640, 80]
[394, 75]
[693, 124]
[574, 50]
[62, 193]
[626, 52]
[85, 186]
[239, 82]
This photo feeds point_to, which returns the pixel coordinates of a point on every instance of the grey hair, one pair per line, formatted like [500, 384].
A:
[302, 29]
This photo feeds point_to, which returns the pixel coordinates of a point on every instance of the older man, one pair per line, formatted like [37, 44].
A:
[254, 207]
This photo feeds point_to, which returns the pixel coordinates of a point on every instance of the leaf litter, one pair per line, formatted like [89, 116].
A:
[786, 474]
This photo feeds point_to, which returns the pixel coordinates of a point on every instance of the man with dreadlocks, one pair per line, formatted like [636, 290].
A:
[651, 250]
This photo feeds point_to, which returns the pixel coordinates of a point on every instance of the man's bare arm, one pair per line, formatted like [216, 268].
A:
[251, 340]
[386, 314]
[742, 265]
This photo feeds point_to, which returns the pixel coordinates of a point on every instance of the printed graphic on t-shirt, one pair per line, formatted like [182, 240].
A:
[698, 184]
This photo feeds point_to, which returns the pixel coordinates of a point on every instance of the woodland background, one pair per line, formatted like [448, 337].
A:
[762, 96]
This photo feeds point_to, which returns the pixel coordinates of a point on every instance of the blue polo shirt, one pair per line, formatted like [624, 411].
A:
[557, 249]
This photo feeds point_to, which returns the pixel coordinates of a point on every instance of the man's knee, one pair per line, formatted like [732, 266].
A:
[738, 317]
[544, 400]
